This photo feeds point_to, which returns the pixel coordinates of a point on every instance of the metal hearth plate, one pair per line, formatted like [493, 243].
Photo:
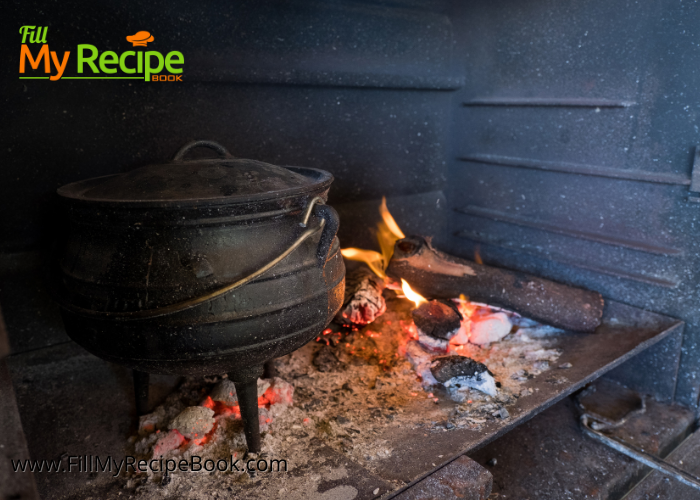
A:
[625, 332]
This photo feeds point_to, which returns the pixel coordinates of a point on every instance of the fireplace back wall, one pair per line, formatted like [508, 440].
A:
[573, 141]
[556, 139]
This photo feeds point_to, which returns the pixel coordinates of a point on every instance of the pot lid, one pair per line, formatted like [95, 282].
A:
[225, 179]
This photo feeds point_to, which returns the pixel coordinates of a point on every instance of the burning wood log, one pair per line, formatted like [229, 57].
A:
[438, 275]
[363, 297]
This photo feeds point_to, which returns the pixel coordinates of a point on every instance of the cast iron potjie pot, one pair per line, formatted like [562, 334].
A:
[200, 267]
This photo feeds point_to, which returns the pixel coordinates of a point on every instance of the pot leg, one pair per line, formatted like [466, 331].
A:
[141, 382]
[269, 370]
[246, 383]
[248, 399]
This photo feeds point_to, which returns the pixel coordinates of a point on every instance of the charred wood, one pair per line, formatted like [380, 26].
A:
[437, 275]
[363, 301]
[437, 319]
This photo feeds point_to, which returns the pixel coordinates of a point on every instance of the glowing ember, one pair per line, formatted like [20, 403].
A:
[410, 294]
[199, 425]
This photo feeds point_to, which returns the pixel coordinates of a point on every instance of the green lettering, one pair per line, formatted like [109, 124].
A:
[139, 63]
[122, 63]
[90, 60]
[174, 57]
[24, 31]
[106, 58]
[150, 69]
[37, 37]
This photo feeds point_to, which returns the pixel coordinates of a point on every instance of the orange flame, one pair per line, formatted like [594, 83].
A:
[389, 220]
[410, 294]
[388, 233]
[465, 307]
[373, 259]
[477, 255]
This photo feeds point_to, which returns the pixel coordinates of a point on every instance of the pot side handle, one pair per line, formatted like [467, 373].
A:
[330, 229]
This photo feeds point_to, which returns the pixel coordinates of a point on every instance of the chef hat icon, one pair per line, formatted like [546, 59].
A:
[140, 39]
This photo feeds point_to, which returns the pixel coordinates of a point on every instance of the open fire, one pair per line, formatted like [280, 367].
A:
[362, 376]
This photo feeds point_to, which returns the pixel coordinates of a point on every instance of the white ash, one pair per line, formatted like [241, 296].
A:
[481, 382]
[433, 343]
[532, 328]
[166, 442]
[152, 421]
[191, 427]
[503, 413]
[524, 326]
[263, 385]
[539, 367]
[225, 392]
[462, 335]
[490, 328]
[372, 394]
[280, 395]
[542, 355]
[420, 361]
[194, 422]
[458, 372]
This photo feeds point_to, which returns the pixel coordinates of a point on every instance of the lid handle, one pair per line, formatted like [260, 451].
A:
[207, 144]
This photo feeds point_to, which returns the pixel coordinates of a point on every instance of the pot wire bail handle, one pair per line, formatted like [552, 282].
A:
[189, 303]
[206, 144]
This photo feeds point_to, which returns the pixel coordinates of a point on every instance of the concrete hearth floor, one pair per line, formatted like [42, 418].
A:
[549, 458]
[63, 414]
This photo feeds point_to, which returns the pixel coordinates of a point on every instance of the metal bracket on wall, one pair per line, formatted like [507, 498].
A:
[606, 406]
[694, 195]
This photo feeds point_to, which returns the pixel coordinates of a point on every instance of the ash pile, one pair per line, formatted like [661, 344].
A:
[393, 361]
[346, 389]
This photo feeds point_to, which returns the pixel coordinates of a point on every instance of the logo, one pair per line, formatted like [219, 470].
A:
[93, 64]
[140, 39]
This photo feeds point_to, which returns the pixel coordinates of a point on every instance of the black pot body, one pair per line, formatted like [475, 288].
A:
[117, 258]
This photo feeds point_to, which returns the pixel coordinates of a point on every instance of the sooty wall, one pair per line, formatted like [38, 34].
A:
[573, 141]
